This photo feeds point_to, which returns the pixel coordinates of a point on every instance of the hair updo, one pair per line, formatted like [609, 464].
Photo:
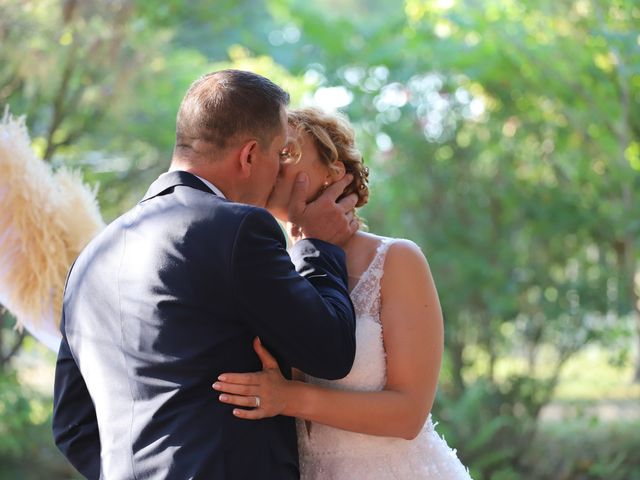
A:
[335, 140]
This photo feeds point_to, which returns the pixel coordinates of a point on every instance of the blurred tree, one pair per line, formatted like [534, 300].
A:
[70, 67]
[554, 141]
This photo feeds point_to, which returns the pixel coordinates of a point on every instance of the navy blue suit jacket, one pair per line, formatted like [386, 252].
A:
[166, 298]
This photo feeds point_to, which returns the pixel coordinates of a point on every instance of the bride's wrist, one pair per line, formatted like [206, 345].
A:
[294, 390]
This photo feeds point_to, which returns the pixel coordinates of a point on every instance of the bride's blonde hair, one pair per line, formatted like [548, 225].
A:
[335, 140]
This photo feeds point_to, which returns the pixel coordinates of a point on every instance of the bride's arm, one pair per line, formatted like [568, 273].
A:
[413, 337]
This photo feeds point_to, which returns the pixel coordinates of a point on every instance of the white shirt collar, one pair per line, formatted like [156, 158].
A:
[215, 189]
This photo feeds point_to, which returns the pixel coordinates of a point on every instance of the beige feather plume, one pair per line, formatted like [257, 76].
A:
[46, 219]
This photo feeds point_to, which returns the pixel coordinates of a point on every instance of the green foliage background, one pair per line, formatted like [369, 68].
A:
[503, 136]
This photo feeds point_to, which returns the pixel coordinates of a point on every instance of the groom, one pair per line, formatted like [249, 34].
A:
[172, 293]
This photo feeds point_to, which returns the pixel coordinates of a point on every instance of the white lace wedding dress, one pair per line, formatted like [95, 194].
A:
[328, 453]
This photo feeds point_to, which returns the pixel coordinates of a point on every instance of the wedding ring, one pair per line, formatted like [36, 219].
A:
[257, 401]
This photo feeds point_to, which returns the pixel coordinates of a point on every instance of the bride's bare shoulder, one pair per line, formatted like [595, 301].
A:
[403, 257]
[400, 251]
[405, 247]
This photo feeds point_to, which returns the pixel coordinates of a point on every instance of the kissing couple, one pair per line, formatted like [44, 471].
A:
[196, 346]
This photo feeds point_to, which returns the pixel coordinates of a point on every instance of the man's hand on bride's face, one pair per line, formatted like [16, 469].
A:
[264, 393]
[324, 218]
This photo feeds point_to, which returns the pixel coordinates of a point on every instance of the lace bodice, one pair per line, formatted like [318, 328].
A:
[369, 367]
[329, 453]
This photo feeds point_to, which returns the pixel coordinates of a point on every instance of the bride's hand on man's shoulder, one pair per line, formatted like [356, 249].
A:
[261, 394]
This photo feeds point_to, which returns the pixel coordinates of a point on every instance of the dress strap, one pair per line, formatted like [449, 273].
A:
[366, 295]
[377, 264]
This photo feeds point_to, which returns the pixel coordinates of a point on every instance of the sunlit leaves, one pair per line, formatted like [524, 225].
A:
[242, 59]
[632, 154]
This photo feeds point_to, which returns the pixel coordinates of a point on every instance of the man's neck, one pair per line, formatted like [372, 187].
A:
[211, 186]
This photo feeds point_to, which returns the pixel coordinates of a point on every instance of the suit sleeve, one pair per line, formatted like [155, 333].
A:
[75, 427]
[307, 319]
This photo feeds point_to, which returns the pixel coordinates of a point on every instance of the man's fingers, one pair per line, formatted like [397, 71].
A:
[336, 189]
[324, 218]
[298, 200]
[354, 225]
[350, 215]
[265, 357]
[349, 202]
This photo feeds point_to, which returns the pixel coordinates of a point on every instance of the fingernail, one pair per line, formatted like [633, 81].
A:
[222, 378]
[223, 398]
[236, 411]
[301, 178]
[216, 385]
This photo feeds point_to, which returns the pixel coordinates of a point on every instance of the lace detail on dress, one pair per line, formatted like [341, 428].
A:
[366, 293]
[328, 453]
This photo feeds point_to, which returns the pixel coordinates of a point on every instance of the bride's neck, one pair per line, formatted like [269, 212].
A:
[352, 240]
[354, 243]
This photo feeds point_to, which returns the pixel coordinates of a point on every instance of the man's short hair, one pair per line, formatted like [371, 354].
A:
[224, 105]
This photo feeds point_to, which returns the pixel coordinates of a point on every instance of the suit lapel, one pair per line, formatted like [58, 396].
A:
[172, 179]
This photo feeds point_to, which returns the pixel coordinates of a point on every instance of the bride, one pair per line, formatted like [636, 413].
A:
[375, 422]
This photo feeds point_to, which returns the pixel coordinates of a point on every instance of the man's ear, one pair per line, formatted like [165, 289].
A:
[246, 157]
